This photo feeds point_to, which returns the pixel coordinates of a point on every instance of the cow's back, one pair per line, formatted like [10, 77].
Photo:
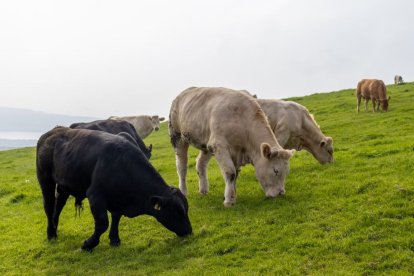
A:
[280, 111]
[363, 88]
[76, 156]
[115, 127]
[199, 112]
[372, 88]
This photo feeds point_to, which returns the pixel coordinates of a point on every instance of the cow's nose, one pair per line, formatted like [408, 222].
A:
[157, 128]
[271, 194]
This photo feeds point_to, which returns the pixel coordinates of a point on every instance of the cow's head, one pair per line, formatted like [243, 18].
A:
[171, 210]
[384, 104]
[155, 120]
[322, 150]
[272, 169]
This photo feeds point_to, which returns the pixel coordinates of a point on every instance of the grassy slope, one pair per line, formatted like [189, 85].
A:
[354, 216]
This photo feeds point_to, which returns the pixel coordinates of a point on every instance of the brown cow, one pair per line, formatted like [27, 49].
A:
[231, 126]
[295, 128]
[374, 90]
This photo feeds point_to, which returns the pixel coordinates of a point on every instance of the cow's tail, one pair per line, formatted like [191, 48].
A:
[78, 206]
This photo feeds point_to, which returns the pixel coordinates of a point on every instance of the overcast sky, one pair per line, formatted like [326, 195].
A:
[102, 58]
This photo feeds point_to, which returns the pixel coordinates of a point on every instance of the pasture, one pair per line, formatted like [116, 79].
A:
[355, 216]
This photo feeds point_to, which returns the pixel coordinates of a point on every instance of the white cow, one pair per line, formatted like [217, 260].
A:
[231, 126]
[398, 79]
[295, 128]
[143, 124]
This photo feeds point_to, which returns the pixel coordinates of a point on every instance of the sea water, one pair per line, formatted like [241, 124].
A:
[18, 139]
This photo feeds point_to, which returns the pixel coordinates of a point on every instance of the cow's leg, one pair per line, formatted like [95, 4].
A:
[48, 186]
[181, 157]
[99, 212]
[358, 102]
[202, 163]
[114, 239]
[373, 104]
[61, 198]
[366, 104]
[229, 173]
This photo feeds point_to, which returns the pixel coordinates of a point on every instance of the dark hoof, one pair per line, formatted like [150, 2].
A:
[88, 245]
[86, 249]
[51, 233]
[51, 236]
[115, 243]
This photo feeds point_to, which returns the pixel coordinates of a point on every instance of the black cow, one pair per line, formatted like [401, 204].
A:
[113, 174]
[115, 127]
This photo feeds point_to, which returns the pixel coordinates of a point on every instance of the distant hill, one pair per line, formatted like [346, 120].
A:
[17, 119]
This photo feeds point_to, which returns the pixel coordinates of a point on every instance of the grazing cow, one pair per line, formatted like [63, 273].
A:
[295, 128]
[398, 79]
[144, 124]
[374, 90]
[232, 127]
[115, 127]
[115, 176]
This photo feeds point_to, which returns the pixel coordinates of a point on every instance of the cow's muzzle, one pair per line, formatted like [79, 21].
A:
[275, 193]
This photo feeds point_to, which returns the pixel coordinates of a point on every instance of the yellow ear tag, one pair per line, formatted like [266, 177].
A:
[157, 206]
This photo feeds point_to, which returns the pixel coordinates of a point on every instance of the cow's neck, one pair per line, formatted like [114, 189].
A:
[146, 128]
[311, 134]
[258, 135]
[153, 185]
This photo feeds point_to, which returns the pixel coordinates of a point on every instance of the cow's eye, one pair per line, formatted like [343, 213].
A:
[276, 171]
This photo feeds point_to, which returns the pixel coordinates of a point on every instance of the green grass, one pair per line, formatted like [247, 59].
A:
[355, 216]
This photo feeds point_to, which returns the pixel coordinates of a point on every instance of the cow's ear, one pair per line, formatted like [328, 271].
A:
[162, 119]
[266, 150]
[157, 202]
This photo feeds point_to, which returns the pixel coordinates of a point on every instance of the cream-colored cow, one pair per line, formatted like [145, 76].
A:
[231, 126]
[295, 128]
[143, 124]
[398, 79]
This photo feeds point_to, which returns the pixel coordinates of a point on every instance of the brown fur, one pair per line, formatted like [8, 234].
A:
[374, 90]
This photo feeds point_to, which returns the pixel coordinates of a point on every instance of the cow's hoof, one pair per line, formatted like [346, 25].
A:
[115, 242]
[89, 244]
[51, 237]
[51, 233]
[203, 192]
[85, 248]
[229, 204]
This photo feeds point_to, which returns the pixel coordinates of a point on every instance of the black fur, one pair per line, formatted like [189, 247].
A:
[115, 176]
[116, 127]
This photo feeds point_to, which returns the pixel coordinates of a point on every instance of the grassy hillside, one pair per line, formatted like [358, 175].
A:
[355, 216]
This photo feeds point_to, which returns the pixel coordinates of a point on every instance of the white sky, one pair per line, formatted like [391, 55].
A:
[102, 58]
